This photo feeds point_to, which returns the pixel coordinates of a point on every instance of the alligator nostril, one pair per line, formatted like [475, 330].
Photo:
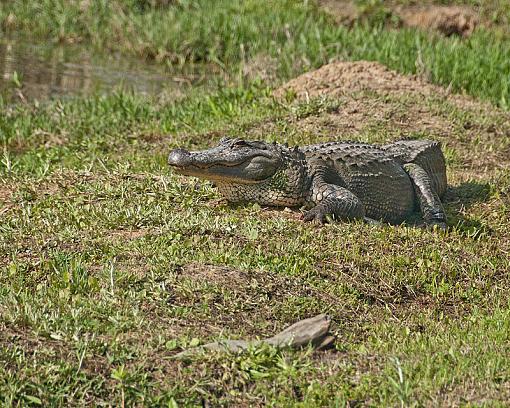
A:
[179, 158]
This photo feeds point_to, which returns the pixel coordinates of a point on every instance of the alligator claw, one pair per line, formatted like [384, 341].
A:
[371, 221]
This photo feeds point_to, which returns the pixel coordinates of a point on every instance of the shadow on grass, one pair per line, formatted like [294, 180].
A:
[462, 197]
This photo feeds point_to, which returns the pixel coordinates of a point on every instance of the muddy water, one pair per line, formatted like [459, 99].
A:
[31, 71]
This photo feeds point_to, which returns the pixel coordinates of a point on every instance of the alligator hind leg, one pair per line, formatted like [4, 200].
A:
[430, 204]
[334, 201]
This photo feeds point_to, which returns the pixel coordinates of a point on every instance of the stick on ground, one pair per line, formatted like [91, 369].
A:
[313, 331]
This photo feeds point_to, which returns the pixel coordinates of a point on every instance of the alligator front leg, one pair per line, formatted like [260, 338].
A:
[334, 201]
[430, 204]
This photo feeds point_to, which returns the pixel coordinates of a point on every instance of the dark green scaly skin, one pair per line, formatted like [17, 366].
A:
[341, 180]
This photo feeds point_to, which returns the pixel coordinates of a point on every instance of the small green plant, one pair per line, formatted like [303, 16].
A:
[401, 384]
[16, 79]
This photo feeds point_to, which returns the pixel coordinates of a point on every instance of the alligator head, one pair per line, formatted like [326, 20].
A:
[267, 173]
[233, 160]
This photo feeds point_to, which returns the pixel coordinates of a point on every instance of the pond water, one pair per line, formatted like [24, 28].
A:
[32, 71]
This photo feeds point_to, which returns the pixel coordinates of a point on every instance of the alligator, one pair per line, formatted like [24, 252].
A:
[341, 180]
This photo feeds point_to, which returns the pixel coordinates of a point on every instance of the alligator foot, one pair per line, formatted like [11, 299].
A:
[317, 215]
[371, 221]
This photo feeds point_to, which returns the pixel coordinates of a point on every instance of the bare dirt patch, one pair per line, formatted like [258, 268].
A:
[256, 303]
[5, 193]
[261, 66]
[128, 235]
[6, 199]
[344, 12]
[253, 299]
[469, 391]
[220, 275]
[360, 112]
[448, 20]
[38, 348]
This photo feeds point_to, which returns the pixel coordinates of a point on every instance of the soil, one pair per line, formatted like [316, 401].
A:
[262, 298]
[5, 193]
[344, 12]
[127, 235]
[341, 78]
[447, 20]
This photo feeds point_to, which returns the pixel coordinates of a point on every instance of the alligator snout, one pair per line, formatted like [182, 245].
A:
[180, 158]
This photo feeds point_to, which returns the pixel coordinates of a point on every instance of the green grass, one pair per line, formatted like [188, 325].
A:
[297, 34]
[110, 264]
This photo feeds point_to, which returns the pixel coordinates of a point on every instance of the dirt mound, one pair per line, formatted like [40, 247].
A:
[347, 77]
[448, 20]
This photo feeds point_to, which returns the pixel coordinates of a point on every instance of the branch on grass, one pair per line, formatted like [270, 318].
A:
[313, 331]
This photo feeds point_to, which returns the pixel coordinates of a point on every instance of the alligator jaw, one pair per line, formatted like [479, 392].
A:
[214, 172]
[181, 160]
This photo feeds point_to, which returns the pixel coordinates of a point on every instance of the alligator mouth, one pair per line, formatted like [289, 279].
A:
[206, 166]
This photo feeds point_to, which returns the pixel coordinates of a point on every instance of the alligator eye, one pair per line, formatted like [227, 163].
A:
[239, 143]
